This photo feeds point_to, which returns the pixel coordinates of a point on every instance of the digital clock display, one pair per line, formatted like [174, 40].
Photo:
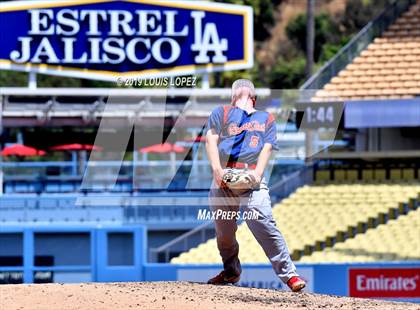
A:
[317, 115]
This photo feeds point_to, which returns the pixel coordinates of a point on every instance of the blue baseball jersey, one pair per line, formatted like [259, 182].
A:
[242, 135]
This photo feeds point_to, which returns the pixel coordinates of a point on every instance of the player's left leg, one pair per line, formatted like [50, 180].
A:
[224, 201]
[269, 237]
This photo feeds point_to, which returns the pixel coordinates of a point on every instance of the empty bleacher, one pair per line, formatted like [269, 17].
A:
[367, 173]
[398, 240]
[170, 209]
[325, 215]
[388, 69]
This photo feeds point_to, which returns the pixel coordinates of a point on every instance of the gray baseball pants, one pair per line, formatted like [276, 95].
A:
[263, 228]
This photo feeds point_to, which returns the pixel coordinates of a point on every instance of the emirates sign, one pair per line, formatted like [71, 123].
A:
[385, 282]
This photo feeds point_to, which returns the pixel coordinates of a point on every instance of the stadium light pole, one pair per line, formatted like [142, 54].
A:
[32, 82]
[310, 37]
[310, 43]
[205, 82]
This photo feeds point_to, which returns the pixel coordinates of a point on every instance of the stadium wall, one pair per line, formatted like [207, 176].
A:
[119, 253]
[335, 279]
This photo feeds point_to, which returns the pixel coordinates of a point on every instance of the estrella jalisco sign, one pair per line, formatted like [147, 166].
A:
[99, 39]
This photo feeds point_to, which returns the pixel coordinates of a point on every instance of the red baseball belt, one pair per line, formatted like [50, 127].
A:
[240, 165]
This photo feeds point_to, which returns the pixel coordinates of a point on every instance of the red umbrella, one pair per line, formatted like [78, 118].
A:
[21, 150]
[162, 148]
[76, 147]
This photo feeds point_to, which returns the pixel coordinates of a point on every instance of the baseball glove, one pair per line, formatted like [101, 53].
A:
[239, 180]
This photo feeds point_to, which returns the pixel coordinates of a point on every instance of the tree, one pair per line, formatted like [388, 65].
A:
[263, 16]
[288, 74]
[324, 33]
[360, 12]
[310, 37]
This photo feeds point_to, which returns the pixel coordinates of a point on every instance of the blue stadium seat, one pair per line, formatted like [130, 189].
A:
[52, 188]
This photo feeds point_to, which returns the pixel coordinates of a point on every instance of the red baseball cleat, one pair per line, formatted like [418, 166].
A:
[296, 284]
[223, 279]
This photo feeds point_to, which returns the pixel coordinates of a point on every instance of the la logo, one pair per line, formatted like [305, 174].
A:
[207, 41]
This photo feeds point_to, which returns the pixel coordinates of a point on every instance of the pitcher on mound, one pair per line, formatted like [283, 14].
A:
[239, 141]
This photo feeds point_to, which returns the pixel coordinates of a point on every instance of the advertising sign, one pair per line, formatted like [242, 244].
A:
[385, 282]
[97, 39]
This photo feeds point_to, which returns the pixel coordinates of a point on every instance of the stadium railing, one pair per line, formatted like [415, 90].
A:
[64, 177]
[163, 210]
[290, 182]
[39, 177]
[92, 103]
[183, 243]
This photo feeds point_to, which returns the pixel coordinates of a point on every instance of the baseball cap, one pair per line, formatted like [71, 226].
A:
[243, 83]
[240, 83]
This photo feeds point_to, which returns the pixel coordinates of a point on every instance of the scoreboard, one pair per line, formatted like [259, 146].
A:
[316, 115]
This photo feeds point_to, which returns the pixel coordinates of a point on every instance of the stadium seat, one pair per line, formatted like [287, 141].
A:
[395, 174]
[367, 174]
[388, 68]
[380, 174]
[325, 214]
[397, 240]
[352, 175]
[339, 175]
[408, 174]
[322, 175]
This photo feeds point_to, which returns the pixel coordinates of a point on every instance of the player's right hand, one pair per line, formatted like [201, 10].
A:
[218, 177]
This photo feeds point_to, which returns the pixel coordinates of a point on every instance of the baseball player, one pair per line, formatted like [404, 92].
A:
[239, 141]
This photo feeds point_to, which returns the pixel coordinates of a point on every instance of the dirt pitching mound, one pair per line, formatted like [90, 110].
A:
[173, 296]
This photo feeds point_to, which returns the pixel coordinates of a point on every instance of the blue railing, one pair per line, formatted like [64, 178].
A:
[59, 177]
[163, 209]
[357, 44]
[52, 177]
[290, 182]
